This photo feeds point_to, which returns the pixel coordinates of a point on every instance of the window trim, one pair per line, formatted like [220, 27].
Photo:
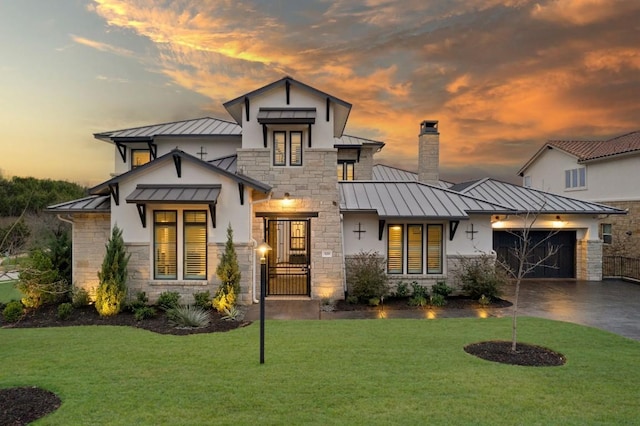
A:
[174, 225]
[343, 165]
[604, 234]
[575, 178]
[186, 224]
[133, 154]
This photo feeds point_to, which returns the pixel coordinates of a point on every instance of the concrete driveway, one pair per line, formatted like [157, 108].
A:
[611, 305]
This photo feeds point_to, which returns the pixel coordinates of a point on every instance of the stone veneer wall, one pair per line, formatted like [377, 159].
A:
[589, 260]
[141, 274]
[91, 232]
[312, 188]
[625, 230]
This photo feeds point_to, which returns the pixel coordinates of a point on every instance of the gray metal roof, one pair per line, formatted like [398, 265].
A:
[175, 194]
[385, 173]
[286, 115]
[411, 200]
[206, 126]
[228, 163]
[531, 200]
[92, 204]
[354, 141]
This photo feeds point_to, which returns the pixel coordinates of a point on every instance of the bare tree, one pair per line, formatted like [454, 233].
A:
[525, 253]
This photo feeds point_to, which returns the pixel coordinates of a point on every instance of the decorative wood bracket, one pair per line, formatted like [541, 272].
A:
[381, 224]
[122, 149]
[212, 210]
[177, 160]
[288, 90]
[309, 135]
[114, 190]
[246, 107]
[264, 135]
[358, 154]
[241, 190]
[153, 150]
[142, 212]
[328, 108]
[453, 227]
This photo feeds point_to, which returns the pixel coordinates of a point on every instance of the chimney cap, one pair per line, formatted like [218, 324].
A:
[429, 126]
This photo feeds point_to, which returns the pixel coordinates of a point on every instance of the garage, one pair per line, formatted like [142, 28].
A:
[562, 265]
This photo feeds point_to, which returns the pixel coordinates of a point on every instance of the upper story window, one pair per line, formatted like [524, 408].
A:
[346, 169]
[140, 157]
[287, 148]
[527, 182]
[606, 233]
[575, 178]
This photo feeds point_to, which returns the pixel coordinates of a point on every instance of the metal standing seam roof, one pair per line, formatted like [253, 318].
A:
[91, 204]
[346, 140]
[175, 194]
[385, 173]
[411, 199]
[228, 163]
[286, 115]
[205, 126]
[524, 199]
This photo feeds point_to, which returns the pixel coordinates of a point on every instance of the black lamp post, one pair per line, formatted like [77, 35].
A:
[262, 249]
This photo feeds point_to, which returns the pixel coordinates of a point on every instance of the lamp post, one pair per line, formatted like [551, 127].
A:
[263, 248]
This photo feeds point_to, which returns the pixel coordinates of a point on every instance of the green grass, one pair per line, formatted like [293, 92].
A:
[326, 372]
[9, 292]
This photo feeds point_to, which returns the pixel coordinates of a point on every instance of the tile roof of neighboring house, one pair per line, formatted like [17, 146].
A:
[586, 151]
[411, 199]
[525, 200]
[385, 173]
[91, 204]
[205, 126]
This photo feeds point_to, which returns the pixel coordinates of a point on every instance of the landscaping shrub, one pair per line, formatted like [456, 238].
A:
[437, 300]
[13, 311]
[232, 314]
[224, 299]
[366, 276]
[202, 299]
[228, 271]
[479, 277]
[40, 283]
[65, 310]
[143, 312]
[420, 295]
[168, 300]
[442, 289]
[188, 316]
[402, 289]
[112, 290]
[79, 297]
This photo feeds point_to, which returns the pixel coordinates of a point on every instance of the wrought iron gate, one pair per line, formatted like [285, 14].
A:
[289, 259]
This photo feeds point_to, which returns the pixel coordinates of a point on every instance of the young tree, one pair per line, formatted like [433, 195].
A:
[228, 271]
[112, 290]
[524, 254]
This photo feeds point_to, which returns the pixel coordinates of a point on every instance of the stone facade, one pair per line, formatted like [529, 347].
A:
[363, 165]
[589, 260]
[312, 188]
[429, 153]
[625, 230]
[91, 232]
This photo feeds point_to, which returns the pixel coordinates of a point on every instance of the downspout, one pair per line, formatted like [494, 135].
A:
[254, 244]
[65, 220]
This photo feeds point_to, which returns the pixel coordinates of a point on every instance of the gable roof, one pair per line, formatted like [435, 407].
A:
[525, 200]
[342, 108]
[206, 126]
[103, 188]
[229, 163]
[91, 204]
[411, 200]
[386, 173]
[591, 150]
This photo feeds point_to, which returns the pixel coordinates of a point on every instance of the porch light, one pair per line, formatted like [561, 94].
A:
[557, 222]
[262, 248]
[287, 199]
[496, 222]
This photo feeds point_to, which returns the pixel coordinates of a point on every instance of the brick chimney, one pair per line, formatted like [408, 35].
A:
[429, 152]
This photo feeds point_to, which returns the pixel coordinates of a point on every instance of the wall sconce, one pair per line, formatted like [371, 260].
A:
[496, 221]
[286, 195]
[557, 222]
[286, 200]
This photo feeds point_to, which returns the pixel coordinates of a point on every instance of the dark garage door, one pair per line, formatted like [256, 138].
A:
[562, 265]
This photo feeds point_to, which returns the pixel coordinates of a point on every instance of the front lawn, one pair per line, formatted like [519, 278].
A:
[325, 372]
[9, 292]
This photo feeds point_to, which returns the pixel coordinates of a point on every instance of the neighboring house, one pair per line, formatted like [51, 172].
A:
[283, 172]
[605, 171]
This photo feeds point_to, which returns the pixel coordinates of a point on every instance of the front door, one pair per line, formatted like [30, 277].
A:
[289, 259]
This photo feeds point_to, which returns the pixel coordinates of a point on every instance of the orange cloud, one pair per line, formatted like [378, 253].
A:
[104, 47]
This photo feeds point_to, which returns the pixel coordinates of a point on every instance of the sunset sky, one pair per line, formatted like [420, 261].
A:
[502, 77]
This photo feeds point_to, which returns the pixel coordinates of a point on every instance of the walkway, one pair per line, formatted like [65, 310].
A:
[611, 305]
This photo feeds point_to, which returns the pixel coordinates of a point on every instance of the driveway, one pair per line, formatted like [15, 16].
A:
[611, 305]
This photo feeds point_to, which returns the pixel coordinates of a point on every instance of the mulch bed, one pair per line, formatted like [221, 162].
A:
[525, 354]
[402, 303]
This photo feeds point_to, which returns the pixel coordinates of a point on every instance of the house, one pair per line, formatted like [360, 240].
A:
[604, 171]
[284, 172]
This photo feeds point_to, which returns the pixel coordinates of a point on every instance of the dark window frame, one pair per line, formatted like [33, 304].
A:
[174, 225]
[133, 154]
[186, 224]
[344, 165]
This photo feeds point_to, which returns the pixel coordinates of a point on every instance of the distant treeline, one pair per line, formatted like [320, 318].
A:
[35, 194]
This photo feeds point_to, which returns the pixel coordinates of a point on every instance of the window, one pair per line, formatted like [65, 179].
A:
[165, 247]
[575, 178]
[193, 253]
[527, 182]
[195, 245]
[414, 257]
[605, 231]
[140, 157]
[434, 249]
[287, 146]
[414, 249]
[395, 244]
[345, 169]
[298, 235]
